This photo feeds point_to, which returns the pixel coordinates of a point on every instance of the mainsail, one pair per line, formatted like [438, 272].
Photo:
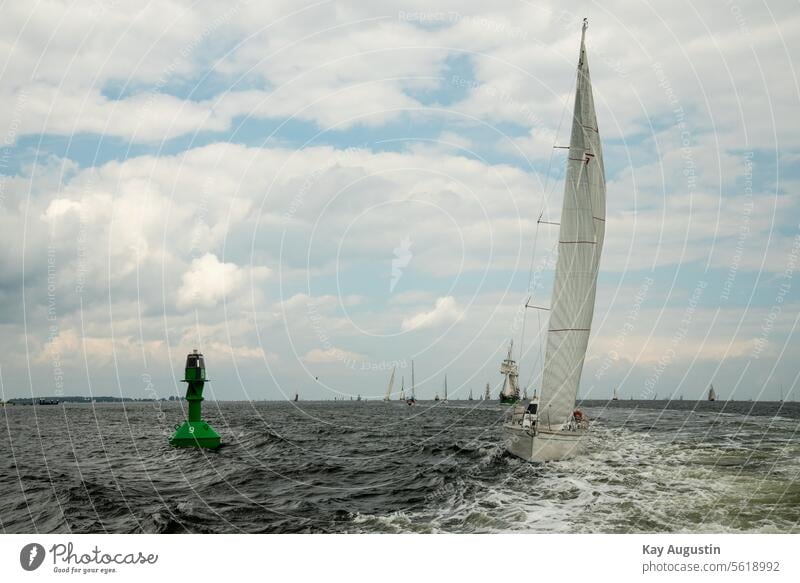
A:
[580, 243]
[445, 387]
[391, 384]
[403, 388]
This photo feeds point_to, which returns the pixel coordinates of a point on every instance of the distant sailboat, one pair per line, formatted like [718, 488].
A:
[359, 397]
[510, 393]
[388, 394]
[296, 397]
[470, 394]
[402, 388]
[554, 429]
[614, 396]
[413, 400]
[712, 394]
[487, 395]
[445, 389]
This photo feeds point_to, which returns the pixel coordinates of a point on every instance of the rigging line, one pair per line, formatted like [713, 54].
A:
[541, 213]
[546, 194]
[539, 356]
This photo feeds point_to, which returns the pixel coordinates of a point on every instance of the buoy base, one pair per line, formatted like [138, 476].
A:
[195, 434]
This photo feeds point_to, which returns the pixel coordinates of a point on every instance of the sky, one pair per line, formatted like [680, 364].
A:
[315, 193]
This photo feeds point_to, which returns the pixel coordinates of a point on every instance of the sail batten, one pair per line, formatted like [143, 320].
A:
[580, 243]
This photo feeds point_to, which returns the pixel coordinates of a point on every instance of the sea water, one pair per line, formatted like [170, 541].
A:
[385, 467]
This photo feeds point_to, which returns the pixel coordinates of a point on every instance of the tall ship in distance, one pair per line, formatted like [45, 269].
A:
[510, 393]
[550, 428]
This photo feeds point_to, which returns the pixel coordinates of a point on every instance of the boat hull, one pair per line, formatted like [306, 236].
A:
[545, 445]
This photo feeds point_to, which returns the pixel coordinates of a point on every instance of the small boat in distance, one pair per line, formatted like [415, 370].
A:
[296, 397]
[614, 396]
[510, 393]
[487, 395]
[413, 400]
[470, 394]
[712, 394]
[402, 388]
[445, 389]
[388, 394]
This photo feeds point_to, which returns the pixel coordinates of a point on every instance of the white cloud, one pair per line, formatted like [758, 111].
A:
[208, 281]
[445, 312]
[147, 238]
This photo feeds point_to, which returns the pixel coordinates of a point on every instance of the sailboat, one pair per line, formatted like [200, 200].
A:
[614, 396]
[296, 397]
[403, 388]
[388, 394]
[550, 428]
[510, 393]
[712, 394]
[445, 389]
[413, 400]
[487, 395]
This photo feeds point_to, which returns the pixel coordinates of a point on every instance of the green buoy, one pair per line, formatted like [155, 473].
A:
[195, 432]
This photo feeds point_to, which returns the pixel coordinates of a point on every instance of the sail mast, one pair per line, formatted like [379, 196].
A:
[580, 243]
[413, 397]
[445, 387]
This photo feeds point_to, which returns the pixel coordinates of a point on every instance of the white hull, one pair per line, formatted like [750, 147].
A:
[545, 445]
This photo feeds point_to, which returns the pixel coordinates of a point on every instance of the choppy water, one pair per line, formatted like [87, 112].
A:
[373, 467]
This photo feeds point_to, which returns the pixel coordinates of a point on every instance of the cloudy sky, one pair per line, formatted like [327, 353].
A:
[313, 192]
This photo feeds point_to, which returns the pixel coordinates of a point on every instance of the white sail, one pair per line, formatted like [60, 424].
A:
[403, 388]
[712, 394]
[580, 243]
[445, 387]
[391, 384]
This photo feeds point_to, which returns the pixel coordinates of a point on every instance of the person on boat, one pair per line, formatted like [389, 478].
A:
[577, 420]
[530, 416]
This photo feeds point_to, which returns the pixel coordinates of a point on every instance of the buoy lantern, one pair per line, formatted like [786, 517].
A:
[195, 432]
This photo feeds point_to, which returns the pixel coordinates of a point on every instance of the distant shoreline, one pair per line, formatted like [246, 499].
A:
[622, 403]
